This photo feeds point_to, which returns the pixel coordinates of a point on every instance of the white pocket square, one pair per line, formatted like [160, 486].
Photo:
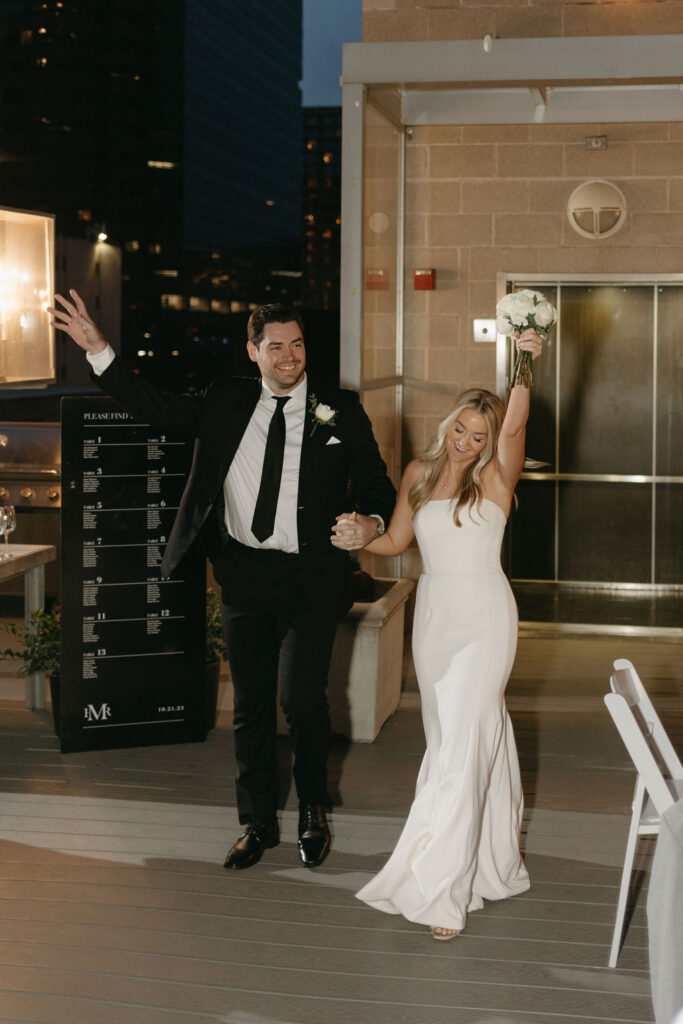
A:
[333, 440]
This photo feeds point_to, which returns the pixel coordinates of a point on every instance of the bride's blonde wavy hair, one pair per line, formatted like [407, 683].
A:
[434, 459]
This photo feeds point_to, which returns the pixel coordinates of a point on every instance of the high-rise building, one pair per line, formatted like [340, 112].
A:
[321, 207]
[174, 127]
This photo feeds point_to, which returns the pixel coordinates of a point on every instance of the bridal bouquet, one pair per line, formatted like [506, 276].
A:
[516, 312]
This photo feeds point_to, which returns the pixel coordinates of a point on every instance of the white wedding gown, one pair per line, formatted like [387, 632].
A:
[460, 844]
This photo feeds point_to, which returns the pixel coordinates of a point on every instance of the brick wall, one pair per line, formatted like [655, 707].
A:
[517, 19]
[491, 198]
[485, 199]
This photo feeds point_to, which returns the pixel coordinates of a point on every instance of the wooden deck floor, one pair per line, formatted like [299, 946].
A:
[115, 907]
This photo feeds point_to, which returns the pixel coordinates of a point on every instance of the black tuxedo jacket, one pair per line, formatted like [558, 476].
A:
[333, 477]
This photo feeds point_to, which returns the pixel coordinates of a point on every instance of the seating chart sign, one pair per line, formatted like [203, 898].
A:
[132, 667]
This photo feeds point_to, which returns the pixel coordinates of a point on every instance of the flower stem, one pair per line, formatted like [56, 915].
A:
[523, 373]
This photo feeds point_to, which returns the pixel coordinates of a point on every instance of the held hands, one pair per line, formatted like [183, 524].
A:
[75, 321]
[353, 531]
[529, 341]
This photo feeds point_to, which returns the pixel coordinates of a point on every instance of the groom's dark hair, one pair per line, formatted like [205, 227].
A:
[271, 313]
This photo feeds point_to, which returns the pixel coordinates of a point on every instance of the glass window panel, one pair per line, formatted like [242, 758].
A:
[529, 544]
[605, 532]
[670, 382]
[606, 379]
[26, 288]
[669, 534]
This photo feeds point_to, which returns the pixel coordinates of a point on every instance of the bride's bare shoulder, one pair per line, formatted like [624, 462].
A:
[413, 471]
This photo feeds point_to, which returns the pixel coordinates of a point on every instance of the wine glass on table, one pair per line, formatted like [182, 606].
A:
[8, 522]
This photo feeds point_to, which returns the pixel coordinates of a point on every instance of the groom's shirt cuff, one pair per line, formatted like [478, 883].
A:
[380, 521]
[101, 360]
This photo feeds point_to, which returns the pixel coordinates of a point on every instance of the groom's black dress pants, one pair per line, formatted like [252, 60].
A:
[273, 632]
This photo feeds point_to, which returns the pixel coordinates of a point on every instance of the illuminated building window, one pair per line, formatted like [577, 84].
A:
[327, 233]
[238, 307]
[219, 306]
[311, 144]
[25, 37]
[173, 302]
[154, 248]
[270, 202]
[310, 218]
[84, 215]
[199, 304]
[42, 62]
[327, 159]
[42, 31]
[163, 165]
[132, 246]
[167, 273]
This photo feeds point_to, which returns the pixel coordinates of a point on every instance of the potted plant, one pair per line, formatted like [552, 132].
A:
[214, 652]
[41, 649]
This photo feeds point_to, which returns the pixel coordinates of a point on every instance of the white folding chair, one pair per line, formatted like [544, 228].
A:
[659, 782]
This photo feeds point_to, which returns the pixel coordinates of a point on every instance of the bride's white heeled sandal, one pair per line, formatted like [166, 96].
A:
[444, 934]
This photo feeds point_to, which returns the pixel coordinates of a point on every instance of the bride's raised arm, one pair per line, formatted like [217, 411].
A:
[510, 454]
[399, 532]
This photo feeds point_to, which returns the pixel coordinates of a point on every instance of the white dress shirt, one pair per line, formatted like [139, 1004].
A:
[242, 483]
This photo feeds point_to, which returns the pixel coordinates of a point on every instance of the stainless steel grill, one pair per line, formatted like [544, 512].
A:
[31, 480]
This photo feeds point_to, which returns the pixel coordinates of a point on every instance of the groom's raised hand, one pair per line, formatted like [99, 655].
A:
[75, 321]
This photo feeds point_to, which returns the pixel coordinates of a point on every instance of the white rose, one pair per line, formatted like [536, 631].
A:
[523, 304]
[324, 413]
[545, 314]
[513, 311]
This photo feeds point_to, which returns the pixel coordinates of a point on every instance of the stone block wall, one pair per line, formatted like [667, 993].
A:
[517, 19]
[492, 198]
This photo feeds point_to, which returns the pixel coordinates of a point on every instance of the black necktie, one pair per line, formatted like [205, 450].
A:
[263, 523]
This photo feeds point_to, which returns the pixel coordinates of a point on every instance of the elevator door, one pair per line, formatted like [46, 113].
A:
[606, 418]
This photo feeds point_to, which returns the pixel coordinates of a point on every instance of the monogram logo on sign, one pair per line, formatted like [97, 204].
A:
[93, 714]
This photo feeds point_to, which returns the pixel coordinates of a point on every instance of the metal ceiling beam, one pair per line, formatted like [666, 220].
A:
[514, 105]
[596, 60]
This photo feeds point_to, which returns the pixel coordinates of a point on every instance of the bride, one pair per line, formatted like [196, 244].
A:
[460, 844]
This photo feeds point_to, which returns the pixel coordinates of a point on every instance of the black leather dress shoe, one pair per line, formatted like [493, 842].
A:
[314, 835]
[250, 846]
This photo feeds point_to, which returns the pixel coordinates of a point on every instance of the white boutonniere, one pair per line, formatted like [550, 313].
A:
[323, 415]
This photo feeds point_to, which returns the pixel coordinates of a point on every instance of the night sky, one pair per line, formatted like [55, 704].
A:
[327, 24]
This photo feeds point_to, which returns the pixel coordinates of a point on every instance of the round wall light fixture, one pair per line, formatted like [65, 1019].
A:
[596, 209]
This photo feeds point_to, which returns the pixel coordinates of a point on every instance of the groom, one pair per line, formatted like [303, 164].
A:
[276, 461]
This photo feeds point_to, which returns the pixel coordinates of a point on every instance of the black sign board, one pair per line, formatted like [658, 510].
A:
[132, 668]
